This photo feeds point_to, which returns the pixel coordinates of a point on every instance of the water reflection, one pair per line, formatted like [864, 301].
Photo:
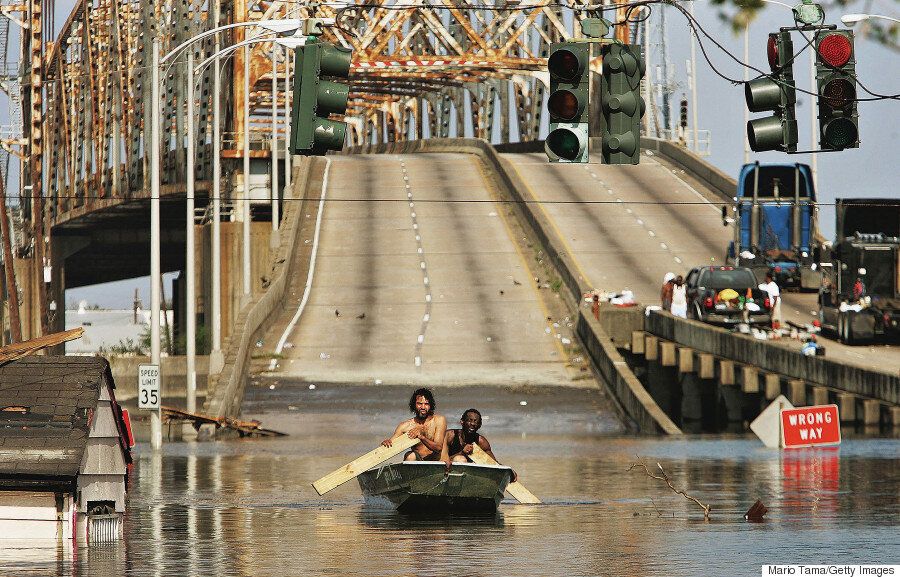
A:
[247, 508]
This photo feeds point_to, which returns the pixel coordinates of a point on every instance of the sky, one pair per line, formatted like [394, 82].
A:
[869, 171]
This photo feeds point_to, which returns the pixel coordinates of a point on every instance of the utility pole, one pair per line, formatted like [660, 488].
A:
[33, 111]
[12, 290]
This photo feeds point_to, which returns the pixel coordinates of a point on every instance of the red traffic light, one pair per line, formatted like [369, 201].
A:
[839, 93]
[563, 104]
[772, 52]
[564, 65]
[835, 50]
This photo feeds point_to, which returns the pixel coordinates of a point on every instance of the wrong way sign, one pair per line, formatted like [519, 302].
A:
[810, 426]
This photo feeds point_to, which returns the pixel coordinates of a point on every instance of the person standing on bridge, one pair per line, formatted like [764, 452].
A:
[665, 295]
[771, 287]
[426, 426]
[679, 297]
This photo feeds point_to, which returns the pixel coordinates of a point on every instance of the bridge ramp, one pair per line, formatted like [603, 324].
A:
[418, 280]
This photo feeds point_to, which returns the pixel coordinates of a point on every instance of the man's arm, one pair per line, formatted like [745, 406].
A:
[400, 428]
[486, 447]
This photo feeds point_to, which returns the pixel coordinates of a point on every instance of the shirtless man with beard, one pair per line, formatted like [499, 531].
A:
[425, 426]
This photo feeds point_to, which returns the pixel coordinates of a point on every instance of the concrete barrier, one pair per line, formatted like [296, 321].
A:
[226, 390]
[174, 371]
[773, 357]
[629, 392]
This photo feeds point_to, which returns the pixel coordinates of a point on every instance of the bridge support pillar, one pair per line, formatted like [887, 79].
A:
[847, 407]
[637, 342]
[651, 348]
[797, 392]
[707, 366]
[895, 417]
[749, 379]
[819, 396]
[773, 386]
[871, 412]
[685, 360]
[667, 354]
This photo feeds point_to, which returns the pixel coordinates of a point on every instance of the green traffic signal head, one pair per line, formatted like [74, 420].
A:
[765, 133]
[334, 60]
[566, 143]
[840, 133]
[762, 94]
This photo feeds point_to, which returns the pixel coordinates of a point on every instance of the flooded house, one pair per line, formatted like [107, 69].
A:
[65, 448]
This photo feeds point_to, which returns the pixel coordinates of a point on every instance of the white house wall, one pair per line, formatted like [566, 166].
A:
[34, 515]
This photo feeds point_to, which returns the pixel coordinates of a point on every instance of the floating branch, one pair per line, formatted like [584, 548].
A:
[665, 478]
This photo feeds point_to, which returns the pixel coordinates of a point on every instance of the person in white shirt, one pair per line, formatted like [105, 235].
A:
[775, 296]
[679, 298]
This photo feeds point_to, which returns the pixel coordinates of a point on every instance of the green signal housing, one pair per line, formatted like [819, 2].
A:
[569, 102]
[621, 103]
[776, 92]
[315, 98]
[836, 85]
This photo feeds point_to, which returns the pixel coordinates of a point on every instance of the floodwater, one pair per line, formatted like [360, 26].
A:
[246, 507]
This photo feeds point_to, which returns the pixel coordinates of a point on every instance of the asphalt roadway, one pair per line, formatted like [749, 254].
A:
[411, 285]
[627, 226]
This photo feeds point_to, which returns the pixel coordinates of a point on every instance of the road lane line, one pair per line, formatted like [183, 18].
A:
[312, 268]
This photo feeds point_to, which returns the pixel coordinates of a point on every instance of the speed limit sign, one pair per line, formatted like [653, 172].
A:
[148, 386]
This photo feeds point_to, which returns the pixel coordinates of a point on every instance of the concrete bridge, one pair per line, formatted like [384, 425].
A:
[493, 292]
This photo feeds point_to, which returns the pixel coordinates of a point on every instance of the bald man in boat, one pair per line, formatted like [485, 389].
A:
[458, 442]
[426, 426]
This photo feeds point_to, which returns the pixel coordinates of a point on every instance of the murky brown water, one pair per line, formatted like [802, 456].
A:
[246, 507]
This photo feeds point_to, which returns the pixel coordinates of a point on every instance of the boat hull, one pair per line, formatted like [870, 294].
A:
[422, 487]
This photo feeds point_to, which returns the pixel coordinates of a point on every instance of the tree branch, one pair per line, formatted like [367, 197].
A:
[665, 478]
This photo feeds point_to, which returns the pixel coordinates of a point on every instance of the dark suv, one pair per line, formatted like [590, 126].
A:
[704, 284]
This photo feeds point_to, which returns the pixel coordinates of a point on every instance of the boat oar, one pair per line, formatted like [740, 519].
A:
[362, 464]
[515, 489]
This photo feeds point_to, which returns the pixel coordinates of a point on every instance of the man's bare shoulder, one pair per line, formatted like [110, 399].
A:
[440, 419]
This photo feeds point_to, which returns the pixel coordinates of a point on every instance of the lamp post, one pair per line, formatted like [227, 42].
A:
[284, 25]
[851, 19]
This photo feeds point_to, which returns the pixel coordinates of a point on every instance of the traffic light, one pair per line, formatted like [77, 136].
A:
[836, 84]
[315, 99]
[775, 92]
[621, 102]
[684, 113]
[569, 102]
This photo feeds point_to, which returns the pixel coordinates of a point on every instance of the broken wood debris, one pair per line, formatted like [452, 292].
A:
[244, 428]
[756, 512]
[18, 350]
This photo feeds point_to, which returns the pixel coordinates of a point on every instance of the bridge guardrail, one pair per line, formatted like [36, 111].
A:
[226, 390]
[774, 358]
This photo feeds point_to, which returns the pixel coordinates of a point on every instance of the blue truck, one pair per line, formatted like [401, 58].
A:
[775, 224]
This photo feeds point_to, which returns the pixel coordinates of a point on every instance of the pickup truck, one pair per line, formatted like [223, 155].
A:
[705, 285]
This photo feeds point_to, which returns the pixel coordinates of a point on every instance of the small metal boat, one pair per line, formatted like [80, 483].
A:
[424, 487]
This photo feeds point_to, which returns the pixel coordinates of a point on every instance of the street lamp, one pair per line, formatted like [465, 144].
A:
[851, 19]
[277, 26]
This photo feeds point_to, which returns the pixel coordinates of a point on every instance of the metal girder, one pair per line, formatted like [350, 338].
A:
[425, 69]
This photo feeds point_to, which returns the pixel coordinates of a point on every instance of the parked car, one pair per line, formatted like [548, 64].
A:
[705, 286]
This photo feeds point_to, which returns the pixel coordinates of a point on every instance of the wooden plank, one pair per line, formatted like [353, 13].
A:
[25, 348]
[517, 489]
[364, 463]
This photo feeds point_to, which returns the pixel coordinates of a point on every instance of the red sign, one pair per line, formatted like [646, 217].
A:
[809, 426]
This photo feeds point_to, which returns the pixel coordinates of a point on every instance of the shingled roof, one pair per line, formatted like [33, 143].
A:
[46, 403]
